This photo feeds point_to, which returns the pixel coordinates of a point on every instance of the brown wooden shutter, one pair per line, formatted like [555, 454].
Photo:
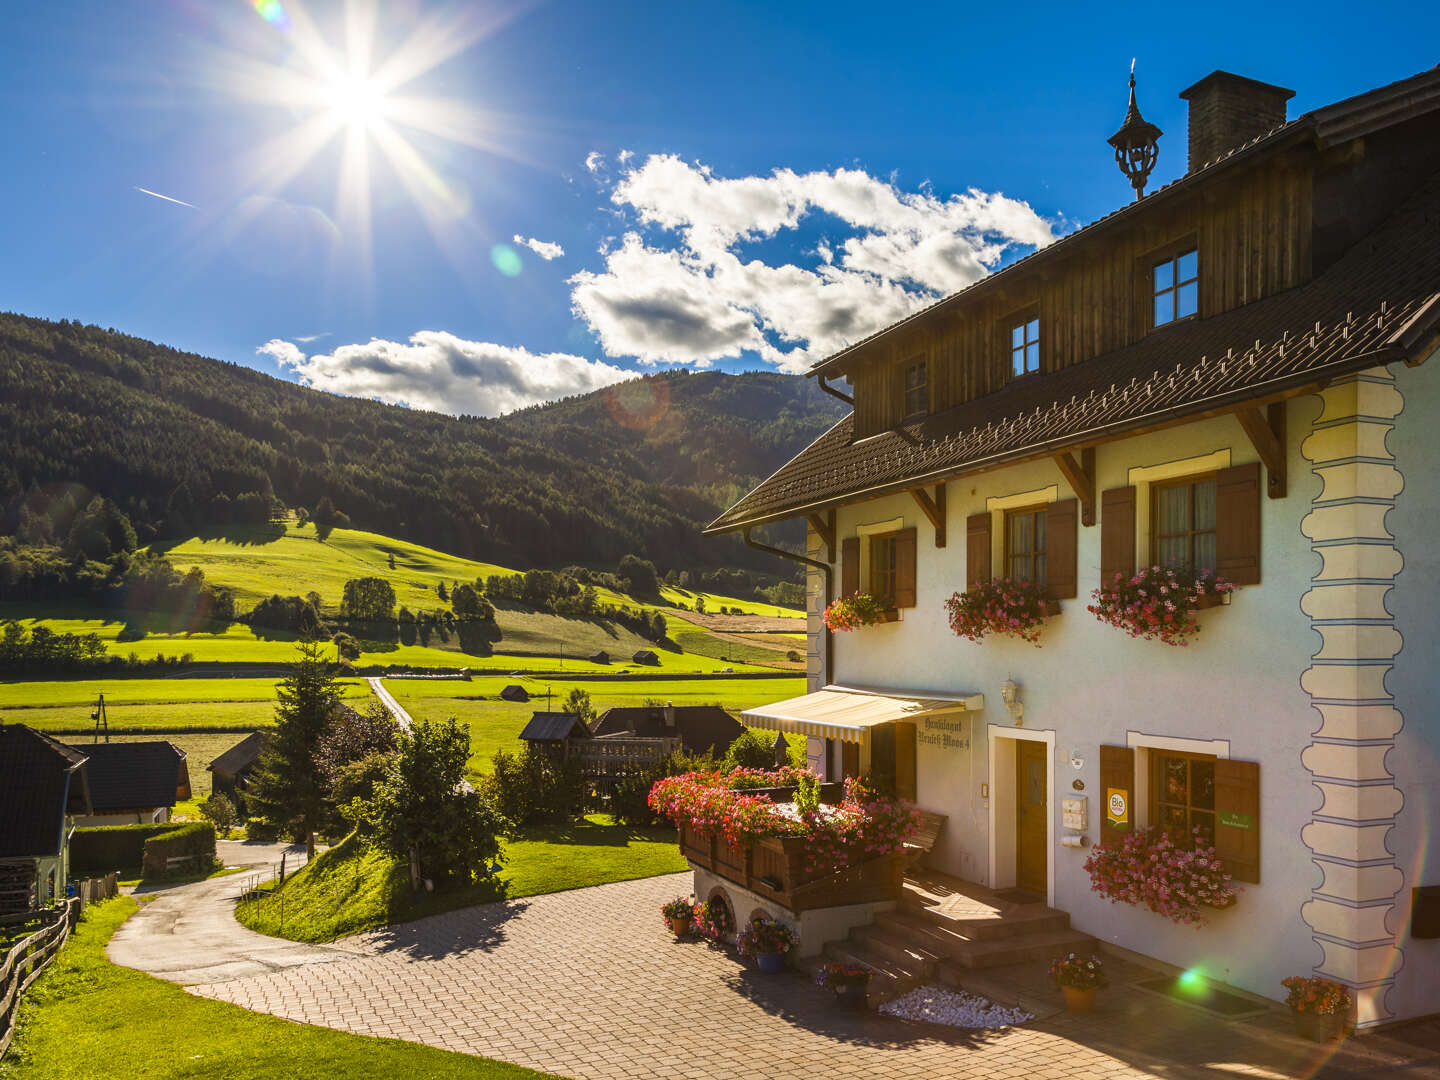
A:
[1237, 524]
[1117, 776]
[1237, 818]
[1117, 533]
[977, 549]
[905, 568]
[1061, 521]
[850, 566]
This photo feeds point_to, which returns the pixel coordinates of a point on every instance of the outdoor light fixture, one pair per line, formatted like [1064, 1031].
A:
[1135, 143]
[1010, 694]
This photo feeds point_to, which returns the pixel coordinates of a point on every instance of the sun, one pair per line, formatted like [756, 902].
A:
[355, 100]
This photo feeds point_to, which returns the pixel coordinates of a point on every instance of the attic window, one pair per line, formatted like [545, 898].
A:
[1177, 287]
[1025, 348]
[917, 390]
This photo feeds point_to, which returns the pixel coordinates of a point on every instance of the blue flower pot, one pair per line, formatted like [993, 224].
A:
[771, 963]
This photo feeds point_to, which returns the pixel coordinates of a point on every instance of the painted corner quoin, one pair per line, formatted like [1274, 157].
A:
[1347, 834]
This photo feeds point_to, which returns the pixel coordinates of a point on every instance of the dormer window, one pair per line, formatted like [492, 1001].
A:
[1177, 287]
[1025, 348]
[917, 391]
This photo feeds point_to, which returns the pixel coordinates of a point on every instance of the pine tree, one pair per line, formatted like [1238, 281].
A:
[288, 789]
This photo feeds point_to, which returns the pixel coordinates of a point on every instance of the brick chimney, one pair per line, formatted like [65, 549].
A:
[1227, 111]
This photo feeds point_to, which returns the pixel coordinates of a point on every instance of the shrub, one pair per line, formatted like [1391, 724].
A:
[1001, 606]
[1146, 866]
[219, 811]
[102, 848]
[194, 842]
[750, 750]
[533, 786]
[1158, 603]
[630, 796]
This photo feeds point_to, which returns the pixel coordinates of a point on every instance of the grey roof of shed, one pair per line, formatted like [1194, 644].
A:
[554, 726]
[241, 756]
[44, 781]
[131, 775]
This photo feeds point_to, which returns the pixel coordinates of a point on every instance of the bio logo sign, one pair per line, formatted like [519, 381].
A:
[1117, 806]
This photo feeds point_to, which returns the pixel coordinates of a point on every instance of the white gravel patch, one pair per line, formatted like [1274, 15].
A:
[955, 1008]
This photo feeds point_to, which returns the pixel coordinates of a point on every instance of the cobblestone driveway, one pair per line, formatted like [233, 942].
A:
[588, 984]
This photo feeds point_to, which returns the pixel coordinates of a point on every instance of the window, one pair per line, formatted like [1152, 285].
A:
[917, 390]
[1025, 348]
[1182, 519]
[1025, 545]
[1183, 795]
[883, 567]
[1177, 287]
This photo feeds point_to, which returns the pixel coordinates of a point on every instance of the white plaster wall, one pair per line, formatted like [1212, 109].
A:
[1414, 680]
[1092, 684]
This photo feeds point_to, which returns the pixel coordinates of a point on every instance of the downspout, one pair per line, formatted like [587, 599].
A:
[821, 379]
[824, 568]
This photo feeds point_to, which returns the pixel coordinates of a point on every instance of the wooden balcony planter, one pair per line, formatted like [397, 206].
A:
[774, 867]
[1210, 600]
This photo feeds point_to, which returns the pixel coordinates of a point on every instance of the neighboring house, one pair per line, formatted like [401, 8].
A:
[699, 727]
[515, 692]
[1229, 373]
[555, 731]
[44, 790]
[135, 783]
[230, 772]
[601, 657]
[646, 656]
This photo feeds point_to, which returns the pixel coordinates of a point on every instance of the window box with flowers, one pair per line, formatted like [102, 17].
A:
[1001, 606]
[1320, 1006]
[1147, 866]
[1159, 602]
[861, 609]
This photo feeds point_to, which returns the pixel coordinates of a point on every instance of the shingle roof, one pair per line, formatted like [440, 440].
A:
[44, 780]
[701, 727]
[1378, 303]
[132, 775]
[240, 756]
[554, 726]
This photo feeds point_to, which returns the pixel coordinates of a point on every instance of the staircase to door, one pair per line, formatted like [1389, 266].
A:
[944, 929]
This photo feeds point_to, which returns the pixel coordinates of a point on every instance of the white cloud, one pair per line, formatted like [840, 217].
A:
[679, 291]
[624, 156]
[438, 371]
[544, 248]
[594, 160]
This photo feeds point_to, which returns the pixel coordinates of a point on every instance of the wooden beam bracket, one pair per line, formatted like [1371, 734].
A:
[1081, 477]
[826, 528]
[1266, 431]
[934, 509]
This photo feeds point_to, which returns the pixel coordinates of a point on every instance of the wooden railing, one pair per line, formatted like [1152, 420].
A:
[27, 958]
[775, 867]
[602, 757]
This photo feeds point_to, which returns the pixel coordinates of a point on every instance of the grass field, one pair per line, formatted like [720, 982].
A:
[87, 1018]
[350, 888]
[714, 602]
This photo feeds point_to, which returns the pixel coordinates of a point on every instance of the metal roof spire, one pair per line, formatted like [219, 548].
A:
[1136, 149]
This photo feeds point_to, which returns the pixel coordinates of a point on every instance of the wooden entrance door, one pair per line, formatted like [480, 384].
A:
[1031, 815]
[905, 761]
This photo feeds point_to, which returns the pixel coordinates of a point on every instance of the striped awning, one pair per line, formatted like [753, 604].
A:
[849, 712]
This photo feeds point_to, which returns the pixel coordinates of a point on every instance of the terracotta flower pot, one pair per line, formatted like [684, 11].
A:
[1079, 1001]
[1320, 1027]
[681, 926]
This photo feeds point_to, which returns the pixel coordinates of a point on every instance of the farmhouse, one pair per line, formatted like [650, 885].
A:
[1232, 378]
[135, 783]
[699, 728]
[554, 732]
[45, 790]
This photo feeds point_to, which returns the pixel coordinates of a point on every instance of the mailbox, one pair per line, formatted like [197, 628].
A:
[1075, 812]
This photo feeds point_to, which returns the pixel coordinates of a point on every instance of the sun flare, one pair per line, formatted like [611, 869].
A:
[355, 100]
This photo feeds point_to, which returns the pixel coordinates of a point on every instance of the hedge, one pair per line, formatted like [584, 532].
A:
[102, 848]
[194, 840]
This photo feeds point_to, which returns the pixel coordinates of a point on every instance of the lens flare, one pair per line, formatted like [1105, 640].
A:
[506, 260]
[273, 13]
[639, 404]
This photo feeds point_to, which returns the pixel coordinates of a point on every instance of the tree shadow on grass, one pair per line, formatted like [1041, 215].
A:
[239, 535]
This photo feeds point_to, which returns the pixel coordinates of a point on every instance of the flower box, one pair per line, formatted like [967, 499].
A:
[1001, 606]
[852, 612]
[1159, 603]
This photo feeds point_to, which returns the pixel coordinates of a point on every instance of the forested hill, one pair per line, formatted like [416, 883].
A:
[639, 468]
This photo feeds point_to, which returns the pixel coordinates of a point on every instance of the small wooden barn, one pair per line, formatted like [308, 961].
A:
[515, 692]
[555, 731]
[646, 656]
[230, 772]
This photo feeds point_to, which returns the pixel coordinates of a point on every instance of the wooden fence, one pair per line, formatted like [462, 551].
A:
[90, 890]
[27, 958]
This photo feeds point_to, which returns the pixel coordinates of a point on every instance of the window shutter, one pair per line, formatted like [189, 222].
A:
[1237, 524]
[977, 549]
[1237, 818]
[905, 568]
[850, 566]
[1117, 777]
[1061, 521]
[1117, 533]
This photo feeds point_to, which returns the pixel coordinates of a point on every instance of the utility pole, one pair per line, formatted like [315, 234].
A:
[101, 720]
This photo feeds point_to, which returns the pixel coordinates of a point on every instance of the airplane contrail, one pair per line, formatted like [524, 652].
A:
[167, 198]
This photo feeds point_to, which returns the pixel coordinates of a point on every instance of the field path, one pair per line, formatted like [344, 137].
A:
[388, 700]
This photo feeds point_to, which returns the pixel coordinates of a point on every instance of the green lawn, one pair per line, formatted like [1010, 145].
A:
[350, 888]
[714, 602]
[86, 1018]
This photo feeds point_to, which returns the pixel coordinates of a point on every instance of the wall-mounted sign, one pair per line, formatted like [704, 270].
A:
[1232, 820]
[1117, 806]
[946, 732]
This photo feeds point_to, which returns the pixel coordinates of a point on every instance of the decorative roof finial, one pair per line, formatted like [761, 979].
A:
[1135, 143]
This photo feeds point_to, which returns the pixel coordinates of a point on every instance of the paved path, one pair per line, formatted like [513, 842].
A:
[188, 934]
[388, 700]
[588, 984]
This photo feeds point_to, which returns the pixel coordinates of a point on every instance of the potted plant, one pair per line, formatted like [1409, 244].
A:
[678, 914]
[850, 983]
[861, 609]
[1320, 1006]
[766, 942]
[1001, 606]
[1159, 602]
[713, 919]
[1078, 978]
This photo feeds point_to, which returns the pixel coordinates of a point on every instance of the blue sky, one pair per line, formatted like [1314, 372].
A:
[510, 202]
